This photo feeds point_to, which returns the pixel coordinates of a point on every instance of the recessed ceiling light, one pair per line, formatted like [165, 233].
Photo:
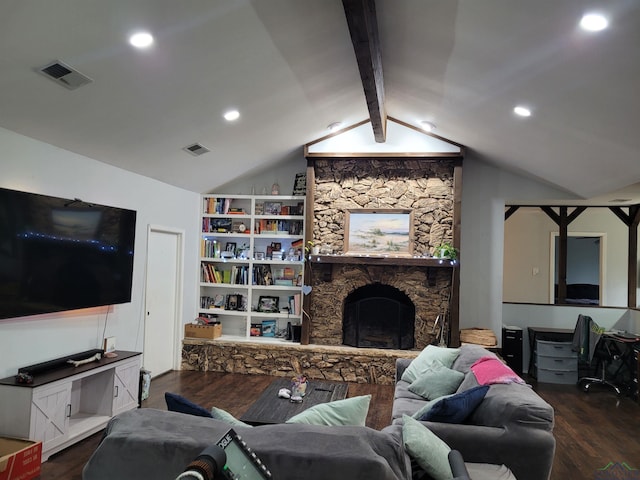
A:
[594, 22]
[522, 111]
[141, 40]
[427, 126]
[332, 127]
[231, 115]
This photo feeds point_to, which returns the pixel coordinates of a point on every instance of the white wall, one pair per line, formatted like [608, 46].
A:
[485, 190]
[33, 166]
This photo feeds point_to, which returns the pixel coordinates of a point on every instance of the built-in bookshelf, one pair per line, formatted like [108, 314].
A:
[252, 264]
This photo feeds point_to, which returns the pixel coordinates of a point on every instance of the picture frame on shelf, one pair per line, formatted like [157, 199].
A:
[255, 330]
[230, 247]
[219, 301]
[268, 304]
[234, 301]
[268, 328]
[272, 208]
[276, 246]
[259, 256]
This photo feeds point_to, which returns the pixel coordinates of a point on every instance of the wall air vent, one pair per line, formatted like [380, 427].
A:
[64, 75]
[196, 149]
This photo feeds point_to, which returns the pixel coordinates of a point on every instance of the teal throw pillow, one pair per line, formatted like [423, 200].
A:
[436, 381]
[424, 446]
[446, 356]
[224, 416]
[177, 403]
[456, 408]
[350, 411]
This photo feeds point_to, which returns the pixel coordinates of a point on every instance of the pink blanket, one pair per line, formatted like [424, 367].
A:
[489, 370]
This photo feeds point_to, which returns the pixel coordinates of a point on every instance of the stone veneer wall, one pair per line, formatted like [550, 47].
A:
[424, 185]
[342, 364]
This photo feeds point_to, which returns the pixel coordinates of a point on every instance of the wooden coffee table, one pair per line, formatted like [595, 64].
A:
[269, 408]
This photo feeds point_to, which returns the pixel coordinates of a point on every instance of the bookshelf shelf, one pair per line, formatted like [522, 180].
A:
[251, 246]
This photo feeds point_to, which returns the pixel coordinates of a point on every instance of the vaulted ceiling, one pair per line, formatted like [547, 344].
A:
[289, 67]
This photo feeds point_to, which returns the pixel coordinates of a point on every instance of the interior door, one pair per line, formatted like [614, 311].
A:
[165, 255]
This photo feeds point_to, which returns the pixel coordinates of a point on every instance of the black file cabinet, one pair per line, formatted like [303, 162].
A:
[512, 348]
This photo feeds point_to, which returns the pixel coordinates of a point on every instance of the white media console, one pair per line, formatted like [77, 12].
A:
[66, 404]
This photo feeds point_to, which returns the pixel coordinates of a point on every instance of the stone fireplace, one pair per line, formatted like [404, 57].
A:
[424, 186]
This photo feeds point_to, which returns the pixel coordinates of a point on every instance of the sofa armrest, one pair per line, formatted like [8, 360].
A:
[527, 452]
[401, 366]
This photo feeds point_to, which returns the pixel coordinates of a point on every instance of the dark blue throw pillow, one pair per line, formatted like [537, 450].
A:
[177, 403]
[456, 408]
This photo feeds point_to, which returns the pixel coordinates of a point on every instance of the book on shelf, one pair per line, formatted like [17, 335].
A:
[295, 305]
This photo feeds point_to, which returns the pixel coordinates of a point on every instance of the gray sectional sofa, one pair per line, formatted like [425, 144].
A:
[512, 426]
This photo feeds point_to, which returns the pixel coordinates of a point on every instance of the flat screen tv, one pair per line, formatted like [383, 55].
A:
[59, 254]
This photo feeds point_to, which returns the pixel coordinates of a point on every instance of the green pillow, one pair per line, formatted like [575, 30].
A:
[436, 381]
[431, 353]
[350, 411]
[424, 446]
[226, 417]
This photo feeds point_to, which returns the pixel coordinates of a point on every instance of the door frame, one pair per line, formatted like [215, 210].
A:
[179, 288]
[602, 262]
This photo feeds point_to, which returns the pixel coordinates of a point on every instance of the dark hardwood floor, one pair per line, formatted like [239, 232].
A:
[591, 429]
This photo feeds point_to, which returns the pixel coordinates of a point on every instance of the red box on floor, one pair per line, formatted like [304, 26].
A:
[19, 459]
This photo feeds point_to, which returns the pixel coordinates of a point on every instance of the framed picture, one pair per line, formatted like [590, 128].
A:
[378, 232]
[268, 328]
[230, 247]
[272, 208]
[276, 246]
[259, 255]
[255, 330]
[268, 304]
[234, 301]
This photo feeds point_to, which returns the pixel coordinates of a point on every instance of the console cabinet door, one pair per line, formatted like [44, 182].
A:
[126, 386]
[50, 410]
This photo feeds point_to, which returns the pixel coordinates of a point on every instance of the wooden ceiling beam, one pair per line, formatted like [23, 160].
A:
[363, 27]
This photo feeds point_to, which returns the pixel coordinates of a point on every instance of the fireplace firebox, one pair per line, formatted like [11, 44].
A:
[378, 316]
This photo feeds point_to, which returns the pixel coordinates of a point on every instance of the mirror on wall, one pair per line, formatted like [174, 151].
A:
[597, 257]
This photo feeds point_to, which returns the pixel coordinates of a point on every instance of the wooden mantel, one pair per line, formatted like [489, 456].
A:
[392, 260]
[430, 263]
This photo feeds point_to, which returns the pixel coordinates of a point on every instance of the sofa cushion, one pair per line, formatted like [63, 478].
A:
[436, 381]
[224, 416]
[456, 408]
[426, 449]
[350, 411]
[516, 404]
[427, 406]
[469, 381]
[177, 403]
[148, 443]
[431, 353]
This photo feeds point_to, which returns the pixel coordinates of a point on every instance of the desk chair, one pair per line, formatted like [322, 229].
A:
[589, 342]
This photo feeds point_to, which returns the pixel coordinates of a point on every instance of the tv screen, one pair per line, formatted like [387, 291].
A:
[58, 254]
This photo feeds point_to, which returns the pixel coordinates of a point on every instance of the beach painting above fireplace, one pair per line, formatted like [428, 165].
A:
[378, 232]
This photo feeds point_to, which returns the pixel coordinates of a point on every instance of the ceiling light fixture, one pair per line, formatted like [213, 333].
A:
[141, 40]
[593, 22]
[522, 111]
[427, 126]
[231, 115]
[332, 127]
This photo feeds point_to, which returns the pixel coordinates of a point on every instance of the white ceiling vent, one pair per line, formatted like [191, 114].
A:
[196, 149]
[64, 75]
